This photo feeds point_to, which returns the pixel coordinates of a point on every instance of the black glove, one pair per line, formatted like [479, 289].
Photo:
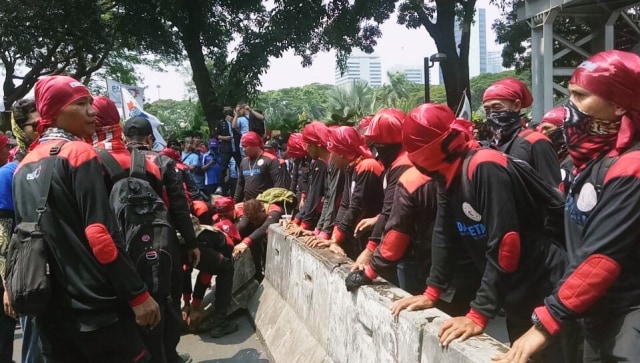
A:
[355, 279]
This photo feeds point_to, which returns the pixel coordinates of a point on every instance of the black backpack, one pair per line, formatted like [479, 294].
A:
[256, 125]
[27, 273]
[143, 220]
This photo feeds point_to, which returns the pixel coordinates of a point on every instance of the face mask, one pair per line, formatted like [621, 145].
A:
[387, 154]
[504, 123]
[588, 137]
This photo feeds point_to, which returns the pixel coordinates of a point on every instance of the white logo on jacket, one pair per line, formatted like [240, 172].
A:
[34, 174]
[470, 212]
[588, 198]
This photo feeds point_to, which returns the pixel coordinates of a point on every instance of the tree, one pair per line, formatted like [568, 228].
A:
[204, 29]
[438, 18]
[38, 39]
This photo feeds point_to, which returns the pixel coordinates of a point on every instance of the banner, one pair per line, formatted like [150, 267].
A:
[132, 109]
[114, 87]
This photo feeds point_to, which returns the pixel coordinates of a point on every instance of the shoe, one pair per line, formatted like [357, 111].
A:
[222, 328]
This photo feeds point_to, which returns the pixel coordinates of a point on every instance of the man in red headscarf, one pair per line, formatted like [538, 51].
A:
[314, 138]
[551, 127]
[297, 165]
[96, 290]
[258, 171]
[362, 195]
[384, 135]
[485, 199]
[601, 286]
[503, 102]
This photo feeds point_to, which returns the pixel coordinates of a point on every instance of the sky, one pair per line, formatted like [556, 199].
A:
[397, 46]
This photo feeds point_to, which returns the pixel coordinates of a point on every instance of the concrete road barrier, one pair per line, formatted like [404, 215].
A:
[303, 313]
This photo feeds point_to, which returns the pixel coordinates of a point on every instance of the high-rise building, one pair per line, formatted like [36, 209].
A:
[414, 73]
[482, 28]
[366, 67]
[494, 62]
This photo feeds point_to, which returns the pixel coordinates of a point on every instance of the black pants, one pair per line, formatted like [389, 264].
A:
[215, 263]
[617, 339]
[224, 165]
[63, 341]
[172, 313]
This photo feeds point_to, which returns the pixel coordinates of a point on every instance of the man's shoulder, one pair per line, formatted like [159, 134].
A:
[8, 169]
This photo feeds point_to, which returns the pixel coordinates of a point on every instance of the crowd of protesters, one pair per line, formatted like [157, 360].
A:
[533, 218]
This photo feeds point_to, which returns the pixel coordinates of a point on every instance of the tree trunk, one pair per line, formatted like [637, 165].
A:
[455, 69]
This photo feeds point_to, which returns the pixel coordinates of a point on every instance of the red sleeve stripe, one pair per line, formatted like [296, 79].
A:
[338, 235]
[371, 246]
[547, 320]
[101, 243]
[370, 272]
[486, 156]
[394, 245]
[247, 241]
[296, 221]
[306, 225]
[204, 278]
[588, 282]
[139, 299]
[433, 293]
[509, 252]
[477, 317]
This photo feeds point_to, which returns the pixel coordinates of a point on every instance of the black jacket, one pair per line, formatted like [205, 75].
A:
[91, 272]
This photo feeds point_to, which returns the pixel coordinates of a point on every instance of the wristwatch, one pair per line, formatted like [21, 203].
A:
[539, 326]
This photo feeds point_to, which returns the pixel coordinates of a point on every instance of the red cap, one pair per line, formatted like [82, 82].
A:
[316, 133]
[53, 94]
[509, 89]
[296, 147]
[251, 139]
[346, 141]
[223, 205]
[386, 127]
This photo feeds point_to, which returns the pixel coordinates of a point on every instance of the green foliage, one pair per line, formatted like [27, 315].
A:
[179, 117]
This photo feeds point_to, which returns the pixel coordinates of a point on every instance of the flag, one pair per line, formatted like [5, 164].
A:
[115, 95]
[464, 109]
[132, 109]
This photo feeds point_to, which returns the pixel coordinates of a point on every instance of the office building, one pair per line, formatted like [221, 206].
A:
[366, 67]
[494, 62]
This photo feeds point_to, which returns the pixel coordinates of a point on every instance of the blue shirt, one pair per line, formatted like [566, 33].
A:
[233, 172]
[211, 174]
[243, 124]
[6, 181]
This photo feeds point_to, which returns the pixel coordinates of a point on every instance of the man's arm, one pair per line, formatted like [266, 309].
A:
[239, 197]
[392, 178]
[546, 162]
[277, 174]
[273, 216]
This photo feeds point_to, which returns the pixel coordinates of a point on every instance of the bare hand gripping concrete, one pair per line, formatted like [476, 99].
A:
[303, 313]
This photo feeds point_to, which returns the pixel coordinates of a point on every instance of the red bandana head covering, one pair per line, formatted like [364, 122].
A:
[555, 117]
[296, 147]
[108, 127]
[364, 124]
[316, 133]
[436, 141]
[347, 142]
[614, 76]
[509, 89]
[251, 139]
[386, 127]
[223, 205]
[172, 153]
[53, 94]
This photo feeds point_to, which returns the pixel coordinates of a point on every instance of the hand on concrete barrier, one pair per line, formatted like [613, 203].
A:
[364, 225]
[411, 303]
[522, 349]
[322, 243]
[239, 249]
[311, 241]
[335, 248]
[355, 279]
[458, 327]
[362, 261]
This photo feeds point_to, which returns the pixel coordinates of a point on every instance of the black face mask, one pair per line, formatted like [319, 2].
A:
[557, 139]
[504, 124]
[387, 154]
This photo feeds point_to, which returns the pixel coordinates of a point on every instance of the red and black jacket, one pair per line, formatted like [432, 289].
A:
[362, 197]
[390, 180]
[257, 175]
[487, 209]
[251, 233]
[538, 151]
[410, 224]
[312, 208]
[90, 268]
[603, 243]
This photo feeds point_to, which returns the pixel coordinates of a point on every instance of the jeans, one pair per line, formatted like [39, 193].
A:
[30, 346]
